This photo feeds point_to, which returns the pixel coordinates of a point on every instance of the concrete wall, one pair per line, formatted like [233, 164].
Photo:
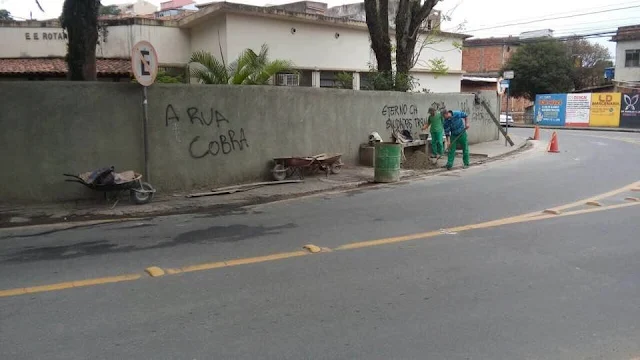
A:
[200, 135]
[51, 128]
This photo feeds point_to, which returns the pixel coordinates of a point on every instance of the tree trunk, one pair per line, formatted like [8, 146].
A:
[377, 13]
[409, 21]
[80, 20]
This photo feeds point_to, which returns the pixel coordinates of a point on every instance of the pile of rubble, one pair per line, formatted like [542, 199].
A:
[418, 160]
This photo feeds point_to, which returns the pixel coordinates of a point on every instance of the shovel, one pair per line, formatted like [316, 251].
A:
[446, 151]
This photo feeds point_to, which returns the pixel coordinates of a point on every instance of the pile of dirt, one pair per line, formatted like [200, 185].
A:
[418, 160]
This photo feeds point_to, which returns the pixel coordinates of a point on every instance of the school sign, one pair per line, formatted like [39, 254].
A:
[591, 109]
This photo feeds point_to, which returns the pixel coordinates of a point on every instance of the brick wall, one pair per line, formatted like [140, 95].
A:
[485, 58]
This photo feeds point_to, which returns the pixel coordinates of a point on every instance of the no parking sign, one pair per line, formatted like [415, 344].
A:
[144, 63]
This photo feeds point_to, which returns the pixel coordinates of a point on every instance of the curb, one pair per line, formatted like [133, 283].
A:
[623, 130]
[88, 219]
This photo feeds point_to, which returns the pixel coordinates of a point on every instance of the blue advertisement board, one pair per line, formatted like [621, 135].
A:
[550, 109]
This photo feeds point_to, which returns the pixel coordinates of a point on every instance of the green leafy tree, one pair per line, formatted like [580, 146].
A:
[250, 68]
[344, 80]
[541, 67]
[109, 10]
[590, 60]
[165, 78]
[5, 15]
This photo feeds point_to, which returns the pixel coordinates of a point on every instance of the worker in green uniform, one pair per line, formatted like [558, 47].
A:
[436, 128]
[456, 124]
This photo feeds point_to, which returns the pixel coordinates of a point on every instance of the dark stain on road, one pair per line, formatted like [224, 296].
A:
[230, 233]
[76, 227]
[214, 234]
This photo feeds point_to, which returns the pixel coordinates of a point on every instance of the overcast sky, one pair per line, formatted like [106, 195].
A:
[475, 14]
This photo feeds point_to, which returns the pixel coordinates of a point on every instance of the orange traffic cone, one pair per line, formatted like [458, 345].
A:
[536, 133]
[553, 144]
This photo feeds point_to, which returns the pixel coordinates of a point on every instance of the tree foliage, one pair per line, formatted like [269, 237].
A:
[541, 67]
[5, 15]
[80, 21]
[408, 22]
[590, 60]
[344, 80]
[164, 77]
[109, 10]
[250, 68]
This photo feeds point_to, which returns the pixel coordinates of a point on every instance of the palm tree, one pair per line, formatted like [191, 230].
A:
[250, 68]
[207, 69]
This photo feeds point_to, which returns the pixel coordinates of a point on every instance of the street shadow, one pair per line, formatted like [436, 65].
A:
[214, 234]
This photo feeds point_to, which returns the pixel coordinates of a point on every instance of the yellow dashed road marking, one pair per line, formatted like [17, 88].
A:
[69, 285]
[309, 249]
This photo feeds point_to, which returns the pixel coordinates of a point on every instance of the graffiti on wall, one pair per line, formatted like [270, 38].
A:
[403, 117]
[224, 139]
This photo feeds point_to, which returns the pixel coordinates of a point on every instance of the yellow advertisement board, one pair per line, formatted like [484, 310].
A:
[605, 109]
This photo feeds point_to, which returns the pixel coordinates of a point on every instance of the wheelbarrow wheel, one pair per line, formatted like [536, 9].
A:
[336, 167]
[142, 197]
[279, 172]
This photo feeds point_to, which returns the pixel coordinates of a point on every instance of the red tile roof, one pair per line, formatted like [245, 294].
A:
[57, 66]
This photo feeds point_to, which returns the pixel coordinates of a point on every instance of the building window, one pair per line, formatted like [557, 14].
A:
[429, 24]
[328, 79]
[632, 58]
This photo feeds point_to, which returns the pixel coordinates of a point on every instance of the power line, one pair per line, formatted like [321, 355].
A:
[538, 18]
[554, 18]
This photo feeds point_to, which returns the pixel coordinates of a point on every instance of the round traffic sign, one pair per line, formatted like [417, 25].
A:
[144, 63]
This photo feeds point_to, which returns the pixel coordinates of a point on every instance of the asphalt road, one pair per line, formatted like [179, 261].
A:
[555, 286]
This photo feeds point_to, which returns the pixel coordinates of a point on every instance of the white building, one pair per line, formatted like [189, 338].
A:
[627, 69]
[140, 7]
[320, 46]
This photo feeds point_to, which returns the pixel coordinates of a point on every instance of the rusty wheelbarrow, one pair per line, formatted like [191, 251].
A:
[289, 166]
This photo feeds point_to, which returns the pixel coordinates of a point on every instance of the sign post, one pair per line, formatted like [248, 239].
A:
[144, 63]
[508, 76]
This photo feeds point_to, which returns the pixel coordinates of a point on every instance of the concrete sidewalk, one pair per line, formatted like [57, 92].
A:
[350, 177]
[628, 130]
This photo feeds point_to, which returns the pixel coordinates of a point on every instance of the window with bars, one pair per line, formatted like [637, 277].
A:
[632, 58]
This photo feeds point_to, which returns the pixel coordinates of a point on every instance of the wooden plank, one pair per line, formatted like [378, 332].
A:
[497, 122]
[241, 188]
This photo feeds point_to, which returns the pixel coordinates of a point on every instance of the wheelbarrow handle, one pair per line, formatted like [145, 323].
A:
[73, 176]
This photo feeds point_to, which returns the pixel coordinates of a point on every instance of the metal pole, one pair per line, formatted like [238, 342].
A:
[506, 142]
[145, 113]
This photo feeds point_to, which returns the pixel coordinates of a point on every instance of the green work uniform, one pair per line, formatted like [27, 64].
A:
[437, 133]
[462, 140]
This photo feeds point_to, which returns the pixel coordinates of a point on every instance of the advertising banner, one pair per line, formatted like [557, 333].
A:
[578, 110]
[605, 110]
[550, 109]
[630, 111]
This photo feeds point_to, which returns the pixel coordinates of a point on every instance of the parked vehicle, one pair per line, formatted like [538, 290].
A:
[503, 119]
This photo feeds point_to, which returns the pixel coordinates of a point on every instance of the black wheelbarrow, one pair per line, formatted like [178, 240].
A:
[107, 180]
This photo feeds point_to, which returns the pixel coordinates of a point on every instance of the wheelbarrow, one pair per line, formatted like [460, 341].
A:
[107, 180]
[289, 166]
